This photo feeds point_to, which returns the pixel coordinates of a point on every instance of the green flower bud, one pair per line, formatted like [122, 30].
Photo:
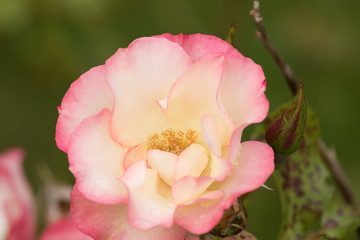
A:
[286, 129]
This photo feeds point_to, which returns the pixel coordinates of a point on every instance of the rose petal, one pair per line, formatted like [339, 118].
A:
[198, 45]
[194, 95]
[189, 188]
[164, 163]
[139, 76]
[63, 229]
[219, 167]
[4, 224]
[191, 162]
[102, 221]
[211, 133]
[135, 154]
[201, 215]
[149, 202]
[78, 103]
[235, 144]
[241, 90]
[16, 198]
[96, 160]
[254, 165]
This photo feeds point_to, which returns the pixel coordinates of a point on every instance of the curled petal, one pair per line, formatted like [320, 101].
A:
[253, 166]
[96, 160]
[241, 90]
[149, 202]
[191, 162]
[139, 76]
[198, 45]
[194, 95]
[189, 188]
[219, 167]
[103, 221]
[164, 163]
[79, 103]
[135, 154]
[202, 214]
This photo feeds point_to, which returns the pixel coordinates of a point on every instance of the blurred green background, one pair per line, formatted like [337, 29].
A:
[46, 45]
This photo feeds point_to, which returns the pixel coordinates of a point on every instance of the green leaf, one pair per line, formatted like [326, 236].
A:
[339, 220]
[230, 36]
[303, 185]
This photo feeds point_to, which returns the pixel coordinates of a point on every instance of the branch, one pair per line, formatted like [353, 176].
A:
[330, 159]
[262, 35]
[328, 155]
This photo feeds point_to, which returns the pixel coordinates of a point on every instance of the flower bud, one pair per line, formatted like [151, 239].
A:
[286, 129]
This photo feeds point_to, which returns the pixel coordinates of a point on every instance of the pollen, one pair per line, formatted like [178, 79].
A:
[172, 141]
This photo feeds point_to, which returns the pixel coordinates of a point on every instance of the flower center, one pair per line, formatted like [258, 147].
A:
[172, 141]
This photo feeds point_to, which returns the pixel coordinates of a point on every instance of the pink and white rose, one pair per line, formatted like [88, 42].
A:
[153, 137]
[17, 208]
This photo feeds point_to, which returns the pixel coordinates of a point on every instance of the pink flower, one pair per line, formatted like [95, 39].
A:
[153, 137]
[17, 212]
[63, 229]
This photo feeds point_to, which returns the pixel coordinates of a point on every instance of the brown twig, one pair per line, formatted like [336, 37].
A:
[328, 155]
[262, 35]
[330, 159]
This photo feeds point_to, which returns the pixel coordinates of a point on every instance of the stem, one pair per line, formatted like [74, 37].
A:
[328, 155]
[330, 159]
[262, 35]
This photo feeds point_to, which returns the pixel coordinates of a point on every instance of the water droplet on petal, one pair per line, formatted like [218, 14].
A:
[202, 216]
[97, 181]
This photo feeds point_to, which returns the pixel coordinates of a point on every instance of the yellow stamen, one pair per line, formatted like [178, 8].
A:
[171, 141]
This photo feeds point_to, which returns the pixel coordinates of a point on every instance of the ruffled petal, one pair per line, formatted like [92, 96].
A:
[96, 160]
[164, 163]
[241, 90]
[79, 103]
[211, 133]
[198, 45]
[191, 162]
[194, 95]
[102, 221]
[149, 202]
[135, 154]
[255, 163]
[201, 215]
[139, 76]
[219, 167]
[189, 188]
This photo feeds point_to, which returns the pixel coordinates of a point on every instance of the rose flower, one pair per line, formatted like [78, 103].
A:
[17, 205]
[153, 137]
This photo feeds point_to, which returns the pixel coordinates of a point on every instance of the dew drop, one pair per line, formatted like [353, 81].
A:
[97, 181]
[155, 213]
